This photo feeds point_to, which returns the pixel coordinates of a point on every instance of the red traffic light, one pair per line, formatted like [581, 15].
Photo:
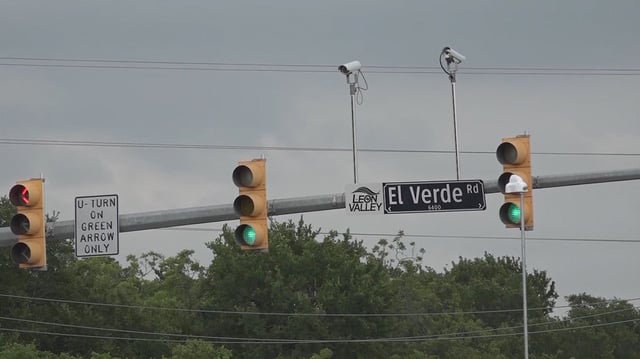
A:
[19, 195]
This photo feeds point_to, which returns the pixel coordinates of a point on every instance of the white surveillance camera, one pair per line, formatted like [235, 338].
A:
[350, 67]
[453, 55]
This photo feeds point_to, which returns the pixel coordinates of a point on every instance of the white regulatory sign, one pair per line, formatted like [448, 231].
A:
[97, 229]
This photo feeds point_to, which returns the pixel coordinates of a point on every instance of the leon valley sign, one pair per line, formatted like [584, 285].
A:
[415, 197]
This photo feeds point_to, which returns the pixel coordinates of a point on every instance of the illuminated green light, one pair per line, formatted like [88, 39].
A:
[249, 235]
[514, 213]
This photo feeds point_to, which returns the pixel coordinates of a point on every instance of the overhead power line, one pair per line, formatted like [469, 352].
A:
[329, 66]
[157, 145]
[309, 68]
[164, 62]
[437, 236]
[340, 315]
[182, 68]
[241, 340]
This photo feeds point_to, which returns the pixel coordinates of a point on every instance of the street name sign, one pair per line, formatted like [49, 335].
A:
[415, 197]
[96, 230]
[420, 197]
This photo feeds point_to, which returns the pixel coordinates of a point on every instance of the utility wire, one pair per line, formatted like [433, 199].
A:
[136, 339]
[128, 331]
[182, 68]
[310, 68]
[75, 326]
[437, 236]
[81, 143]
[396, 72]
[207, 63]
[432, 337]
[264, 64]
[297, 314]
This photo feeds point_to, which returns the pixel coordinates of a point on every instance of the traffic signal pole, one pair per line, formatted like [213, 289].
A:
[196, 215]
[276, 207]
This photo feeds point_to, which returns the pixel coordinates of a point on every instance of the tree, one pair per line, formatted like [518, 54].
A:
[29, 351]
[197, 349]
[490, 284]
[299, 275]
[324, 353]
[310, 297]
[7, 210]
[608, 329]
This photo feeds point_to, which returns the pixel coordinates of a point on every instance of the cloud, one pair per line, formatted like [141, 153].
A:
[312, 109]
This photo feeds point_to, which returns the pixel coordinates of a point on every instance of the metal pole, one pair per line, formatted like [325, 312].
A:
[219, 213]
[453, 58]
[455, 123]
[524, 278]
[353, 89]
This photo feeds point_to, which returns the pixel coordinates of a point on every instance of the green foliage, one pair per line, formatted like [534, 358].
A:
[620, 340]
[20, 351]
[299, 275]
[314, 295]
[197, 349]
[325, 353]
[102, 356]
[28, 351]
[7, 210]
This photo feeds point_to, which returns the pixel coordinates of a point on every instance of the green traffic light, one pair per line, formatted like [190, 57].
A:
[249, 235]
[514, 213]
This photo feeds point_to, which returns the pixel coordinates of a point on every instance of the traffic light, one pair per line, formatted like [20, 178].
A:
[251, 205]
[29, 224]
[514, 154]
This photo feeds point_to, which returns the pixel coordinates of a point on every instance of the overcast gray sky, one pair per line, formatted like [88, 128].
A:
[593, 112]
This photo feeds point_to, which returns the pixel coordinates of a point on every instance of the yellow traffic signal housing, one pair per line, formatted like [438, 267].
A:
[251, 205]
[514, 153]
[29, 224]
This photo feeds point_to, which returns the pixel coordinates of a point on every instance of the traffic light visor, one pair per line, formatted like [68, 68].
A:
[19, 195]
[514, 213]
[24, 223]
[249, 205]
[26, 193]
[21, 253]
[247, 176]
[250, 235]
[503, 180]
[512, 152]
[244, 206]
[20, 224]
[510, 213]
